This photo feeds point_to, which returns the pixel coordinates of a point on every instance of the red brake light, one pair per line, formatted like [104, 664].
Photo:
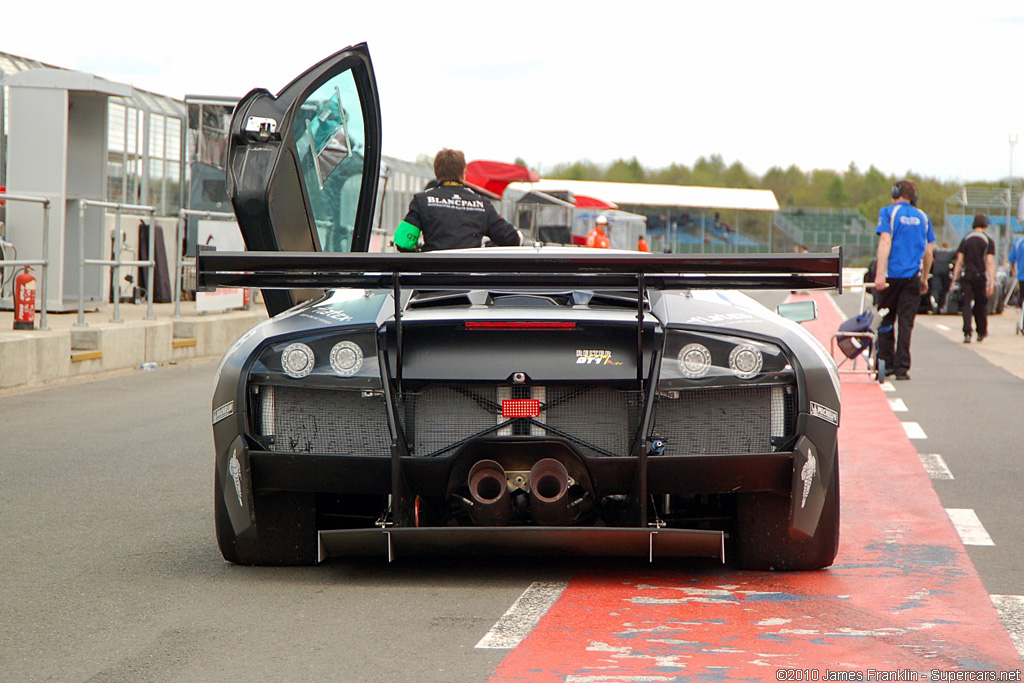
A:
[519, 324]
[520, 407]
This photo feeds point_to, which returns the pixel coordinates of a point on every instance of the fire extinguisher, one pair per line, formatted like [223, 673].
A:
[25, 300]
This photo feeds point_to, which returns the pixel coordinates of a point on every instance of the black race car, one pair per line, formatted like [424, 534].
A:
[500, 400]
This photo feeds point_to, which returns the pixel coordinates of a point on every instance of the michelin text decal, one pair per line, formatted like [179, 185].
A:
[825, 413]
[224, 411]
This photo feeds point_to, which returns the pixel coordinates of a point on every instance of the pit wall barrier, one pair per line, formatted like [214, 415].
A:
[35, 358]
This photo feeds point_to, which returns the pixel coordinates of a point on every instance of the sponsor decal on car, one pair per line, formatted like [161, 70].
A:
[807, 475]
[326, 316]
[595, 357]
[825, 413]
[720, 318]
[235, 470]
[224, 411]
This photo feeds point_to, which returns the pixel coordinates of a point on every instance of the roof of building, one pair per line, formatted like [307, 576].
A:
[645, 194]
[984, 197]
[142, 99]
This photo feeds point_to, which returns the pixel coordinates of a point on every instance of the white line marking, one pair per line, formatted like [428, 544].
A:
[522, 616]
[897, 405]
[835, 306]
[1011, 613]
[943, 327]
[913, 430]
[935, 466]
[970, 528]
[888, 387]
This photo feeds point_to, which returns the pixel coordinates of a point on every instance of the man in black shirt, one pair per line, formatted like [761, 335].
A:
[451, 215]
[976, 258]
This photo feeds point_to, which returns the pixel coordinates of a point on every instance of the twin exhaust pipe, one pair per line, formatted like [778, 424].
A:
[547, 486]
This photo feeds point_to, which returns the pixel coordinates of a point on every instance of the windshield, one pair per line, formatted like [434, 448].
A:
[330, 135]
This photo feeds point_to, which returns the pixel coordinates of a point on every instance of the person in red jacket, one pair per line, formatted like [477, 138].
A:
[597, 238]
[641, 244]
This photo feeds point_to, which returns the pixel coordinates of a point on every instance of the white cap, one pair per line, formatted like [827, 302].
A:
[601, 220]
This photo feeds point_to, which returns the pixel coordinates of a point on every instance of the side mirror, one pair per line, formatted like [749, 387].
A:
[799, 311]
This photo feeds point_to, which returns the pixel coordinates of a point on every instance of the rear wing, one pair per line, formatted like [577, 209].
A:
[500, 267]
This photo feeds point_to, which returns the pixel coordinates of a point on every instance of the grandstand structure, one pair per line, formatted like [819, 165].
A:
[821, 229]
[686, 219]
[1001, 204]
[688, 230]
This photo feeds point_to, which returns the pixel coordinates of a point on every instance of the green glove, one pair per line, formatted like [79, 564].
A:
[406, 236]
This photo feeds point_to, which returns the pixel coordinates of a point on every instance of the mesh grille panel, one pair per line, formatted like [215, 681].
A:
[602, 417]
[600, 420]
[440, 416]
[721, 421]
[342, 422]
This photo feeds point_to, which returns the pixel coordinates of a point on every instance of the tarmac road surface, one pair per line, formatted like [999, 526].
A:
[109, 569]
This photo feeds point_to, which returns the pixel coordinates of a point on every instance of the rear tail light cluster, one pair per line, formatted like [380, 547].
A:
[699, 355]
[298, 359]
[746, 361]
[346, 358]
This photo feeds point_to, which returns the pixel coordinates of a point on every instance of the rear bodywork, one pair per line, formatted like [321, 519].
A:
[512, 400]
[502, 400]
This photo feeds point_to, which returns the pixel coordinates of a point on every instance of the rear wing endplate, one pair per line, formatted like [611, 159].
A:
[507, 268]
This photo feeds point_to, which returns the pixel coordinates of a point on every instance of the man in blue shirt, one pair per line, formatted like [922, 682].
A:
[1016, 259]
[906, 247]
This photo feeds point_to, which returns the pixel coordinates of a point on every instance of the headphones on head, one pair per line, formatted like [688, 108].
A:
[897, 192]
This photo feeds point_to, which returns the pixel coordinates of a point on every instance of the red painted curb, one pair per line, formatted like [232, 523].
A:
[902, 598]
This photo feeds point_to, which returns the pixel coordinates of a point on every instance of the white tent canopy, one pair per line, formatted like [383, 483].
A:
[646, 194]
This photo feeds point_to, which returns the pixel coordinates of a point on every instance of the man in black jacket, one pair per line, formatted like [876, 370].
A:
[451, 215]
[976, 257]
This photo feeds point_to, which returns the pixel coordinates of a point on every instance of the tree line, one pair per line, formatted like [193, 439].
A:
[866, 191]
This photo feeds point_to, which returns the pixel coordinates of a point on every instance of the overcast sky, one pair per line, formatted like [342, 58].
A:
[936, 87]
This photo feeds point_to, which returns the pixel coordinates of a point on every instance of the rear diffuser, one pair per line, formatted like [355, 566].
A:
[526, 540]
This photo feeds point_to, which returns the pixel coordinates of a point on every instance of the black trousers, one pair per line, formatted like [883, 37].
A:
[975, 302]
[902, 297]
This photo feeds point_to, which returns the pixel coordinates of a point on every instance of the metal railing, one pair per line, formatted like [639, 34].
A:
[116, 262]
[788, 228]
[183, 215]
[44, 262]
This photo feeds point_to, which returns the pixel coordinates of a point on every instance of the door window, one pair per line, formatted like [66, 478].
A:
[330, 136]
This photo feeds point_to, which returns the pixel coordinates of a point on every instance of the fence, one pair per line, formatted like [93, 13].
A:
[116, 262]
[821, 229]
[179, 258]
[43, 263]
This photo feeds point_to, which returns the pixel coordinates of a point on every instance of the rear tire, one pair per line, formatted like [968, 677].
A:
[286, 530]
[762, 532]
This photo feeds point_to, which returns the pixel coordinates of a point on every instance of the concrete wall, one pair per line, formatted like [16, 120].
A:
[39, 357]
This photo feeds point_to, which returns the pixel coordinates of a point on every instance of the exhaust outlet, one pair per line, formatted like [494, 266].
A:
[488, 489]
[549, 486]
